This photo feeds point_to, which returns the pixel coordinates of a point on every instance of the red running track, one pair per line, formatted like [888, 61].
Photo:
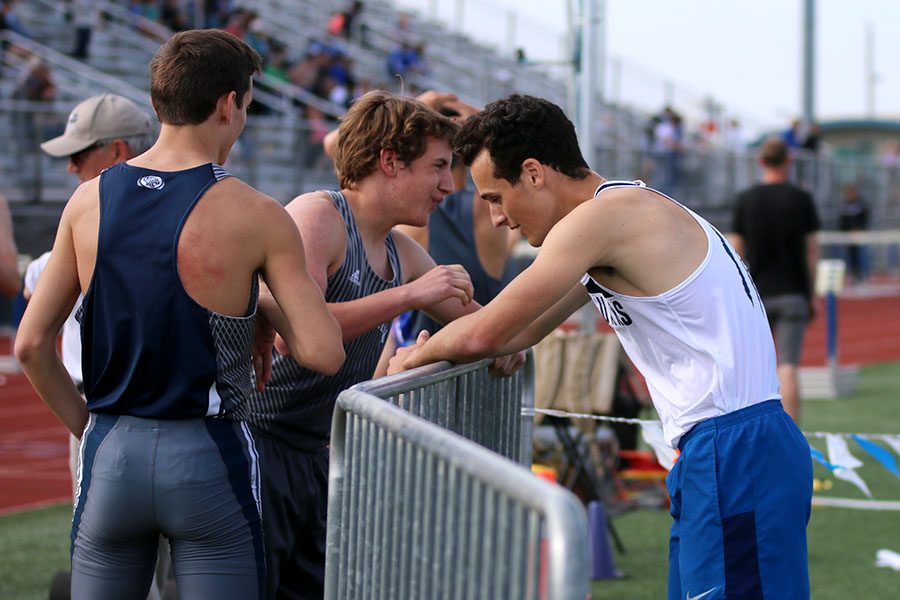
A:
[34, 445]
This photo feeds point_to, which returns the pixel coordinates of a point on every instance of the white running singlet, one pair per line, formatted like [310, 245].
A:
[704, 346]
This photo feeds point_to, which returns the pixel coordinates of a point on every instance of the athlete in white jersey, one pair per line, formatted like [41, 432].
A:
[704, 346]
[688, 316]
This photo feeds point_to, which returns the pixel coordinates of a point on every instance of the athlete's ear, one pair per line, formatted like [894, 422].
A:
[388, 162]
[533, 172]
[226, 106]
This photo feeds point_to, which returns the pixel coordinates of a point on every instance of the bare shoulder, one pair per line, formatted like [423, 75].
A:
[85, 200]
[243, 200]
[315, 208]
[414, 259]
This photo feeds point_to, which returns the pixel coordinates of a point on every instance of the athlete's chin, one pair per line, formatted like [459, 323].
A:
[535, 241]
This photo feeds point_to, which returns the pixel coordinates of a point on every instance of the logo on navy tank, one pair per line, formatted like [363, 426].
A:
[612, 310]
[151, 182]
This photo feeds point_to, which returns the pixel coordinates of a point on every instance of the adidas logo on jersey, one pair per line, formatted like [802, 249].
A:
[354, 279]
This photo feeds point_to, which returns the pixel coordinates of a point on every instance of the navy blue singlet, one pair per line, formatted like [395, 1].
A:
[149, 350]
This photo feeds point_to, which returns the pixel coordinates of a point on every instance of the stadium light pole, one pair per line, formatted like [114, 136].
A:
[809, 61]
[590, 73]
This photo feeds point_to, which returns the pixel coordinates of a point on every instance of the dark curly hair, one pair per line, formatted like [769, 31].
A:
[521, 127]
[381, 120]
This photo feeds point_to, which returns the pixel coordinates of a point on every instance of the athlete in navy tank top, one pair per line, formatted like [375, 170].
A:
[136, 298]
[167, 249]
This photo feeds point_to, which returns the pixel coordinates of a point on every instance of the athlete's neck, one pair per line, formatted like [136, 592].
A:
[179, 148]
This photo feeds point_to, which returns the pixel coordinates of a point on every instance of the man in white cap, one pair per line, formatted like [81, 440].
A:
[100, 132]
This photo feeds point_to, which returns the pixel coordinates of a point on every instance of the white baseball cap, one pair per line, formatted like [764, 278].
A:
[99, 118]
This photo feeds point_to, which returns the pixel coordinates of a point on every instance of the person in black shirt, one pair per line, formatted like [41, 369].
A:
[774, 229]
[855, 217]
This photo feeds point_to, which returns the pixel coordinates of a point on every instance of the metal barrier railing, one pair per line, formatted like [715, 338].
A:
[416, 511]
[467, 400]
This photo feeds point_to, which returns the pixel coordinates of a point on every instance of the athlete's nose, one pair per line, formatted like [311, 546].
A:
[498, 217]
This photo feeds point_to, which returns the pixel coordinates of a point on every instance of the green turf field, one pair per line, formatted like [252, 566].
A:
[34, 545]
[842, 542]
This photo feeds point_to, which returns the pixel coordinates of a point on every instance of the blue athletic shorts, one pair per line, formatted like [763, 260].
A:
[741, 493]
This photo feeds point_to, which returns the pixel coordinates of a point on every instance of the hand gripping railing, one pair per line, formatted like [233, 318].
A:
[416, 511]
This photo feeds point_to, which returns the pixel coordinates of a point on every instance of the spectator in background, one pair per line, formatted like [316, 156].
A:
[315, 157]
[212, 14]
[342, 23]
[279, 65]
[855, 217]
[403, 31]
[306, 73]
[239, 22]
[791, 135]
[812, 139]
[84, 17]
[774, 231]
[667, 139]
[10, 282]
[735, 139]
[172, 16]
[10, 20]
[36, 86]
[407, 59]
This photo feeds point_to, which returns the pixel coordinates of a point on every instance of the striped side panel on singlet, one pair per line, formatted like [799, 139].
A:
[297, 404]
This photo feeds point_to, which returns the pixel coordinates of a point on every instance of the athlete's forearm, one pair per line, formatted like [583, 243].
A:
[360, 316]
[49, 378]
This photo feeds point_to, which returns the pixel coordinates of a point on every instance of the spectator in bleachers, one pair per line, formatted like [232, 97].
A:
[342, 22]
[146, 9]
[279, 65]
[172, 16]
[239, 22]
[84, 16]
[668, 137]
[36, 86]
[258, 38]
[213, 14]
[318, 129]
[305, 73]
[10, 20]
[407, 59]
[734, 137]
[403, 32]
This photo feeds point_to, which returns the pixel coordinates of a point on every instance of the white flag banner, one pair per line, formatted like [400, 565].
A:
[844, 462]
[652, 434]
[893, 441]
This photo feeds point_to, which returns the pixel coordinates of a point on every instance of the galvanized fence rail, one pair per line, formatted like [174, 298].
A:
[467, 400]
[417, 511]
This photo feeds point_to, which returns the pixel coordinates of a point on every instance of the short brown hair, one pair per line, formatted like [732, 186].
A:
[383, 121]
[774, 153]
[191, 71]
